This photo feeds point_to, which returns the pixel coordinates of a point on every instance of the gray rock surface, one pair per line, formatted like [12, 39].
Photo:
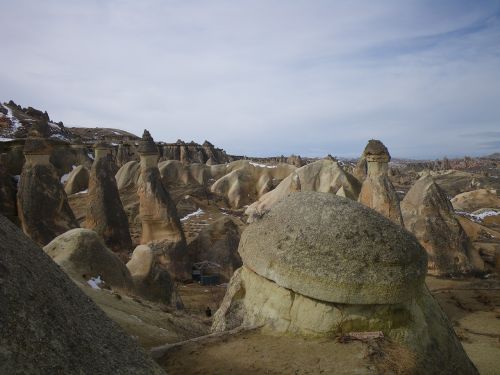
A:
[49, 326]
[334, 249]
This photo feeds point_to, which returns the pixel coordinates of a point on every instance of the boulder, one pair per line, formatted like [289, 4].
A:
[429, 215]
[78, 180]
[151, 281]
[474, 200]
[49, 326]
[321, 265]
[82, 254]
[321, 176]
[128, 175]
[218, 244]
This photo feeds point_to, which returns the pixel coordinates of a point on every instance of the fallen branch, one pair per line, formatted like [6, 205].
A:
[159, 351]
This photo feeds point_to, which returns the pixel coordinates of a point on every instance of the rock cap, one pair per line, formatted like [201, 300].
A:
[375, 150]
[334, 249]
[147, 145]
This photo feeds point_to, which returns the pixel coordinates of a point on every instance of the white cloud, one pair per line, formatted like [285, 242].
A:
[263, 77]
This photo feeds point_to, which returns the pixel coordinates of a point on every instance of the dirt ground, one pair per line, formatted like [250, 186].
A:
[473, 306]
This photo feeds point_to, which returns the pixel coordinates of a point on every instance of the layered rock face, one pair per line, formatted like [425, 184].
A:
[105, 213]
[43, 207]
[194, 153]
[321, 176]
[320, 265]
[156, 209]
[82, 254]
[123, 154]
[81, 155]
[377, 191]
[429, 215]
[49, 326]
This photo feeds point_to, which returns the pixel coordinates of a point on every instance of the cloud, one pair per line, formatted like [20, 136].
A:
[260, 77]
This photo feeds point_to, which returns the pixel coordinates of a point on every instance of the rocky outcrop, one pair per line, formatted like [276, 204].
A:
[377, 191]
[245, 181]
[128, 175]
[474, 200]
[43, 207]
[194, 153]
[322, 176]
[429, 215]
[218, 245]
[8, 191]
[80, 153]
[82, 254]
[151, 281]
[123, 154]
[156, 209]
[78, 180]
[49, 326]
[105, 213]
[322, 265]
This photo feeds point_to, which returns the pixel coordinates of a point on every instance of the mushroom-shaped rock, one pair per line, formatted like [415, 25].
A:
[333, 249]
[83, 255]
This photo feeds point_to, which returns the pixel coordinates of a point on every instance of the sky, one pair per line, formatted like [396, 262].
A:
[264, 78]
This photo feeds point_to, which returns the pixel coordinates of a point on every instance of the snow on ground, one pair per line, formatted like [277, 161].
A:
[83, 191]
[90, 155]
[15, 122]
[262, 165]
[17, 177]
[95, 282]
[479, 216]
[65, 176]
[198, 212]
[2, 139]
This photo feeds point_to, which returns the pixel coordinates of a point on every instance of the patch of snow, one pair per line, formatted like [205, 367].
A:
[90, 155]
[94, 282]
[198, 212]
[15, 122]
[83, 191]
[480, 216]
[65, 176]
[400, 191]
[17, 177]
[262, 165]
[59, 136]
[2, 139]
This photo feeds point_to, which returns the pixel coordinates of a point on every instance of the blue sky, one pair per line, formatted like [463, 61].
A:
[264, 77]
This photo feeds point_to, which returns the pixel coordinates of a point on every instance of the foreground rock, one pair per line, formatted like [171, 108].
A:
[310, 242]
[8, 189]
[377, 191]
[82, 254]
[43, 206]
[105, 213]
[49, 326]
[322, 176]
[429, 215]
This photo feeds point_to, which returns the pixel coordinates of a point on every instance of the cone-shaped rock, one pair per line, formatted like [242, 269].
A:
[49, 326]
[43, 207]
[156, 209]
[105, 213]
[377, 191]
[429, 215]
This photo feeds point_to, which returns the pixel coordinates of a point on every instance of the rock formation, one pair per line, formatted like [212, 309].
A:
[323, 176]
[322, 265]
[218, 244]
[429, 215]
[377, 191]
[49, 326]
[157, 210]
[43, 207]
[81, 156]
[194, 153]
[474, 200]
[7, 192]
[105, 213]
[245, 181]
[151, 280]
[82, 254]
[78, 180]
[123, 154]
